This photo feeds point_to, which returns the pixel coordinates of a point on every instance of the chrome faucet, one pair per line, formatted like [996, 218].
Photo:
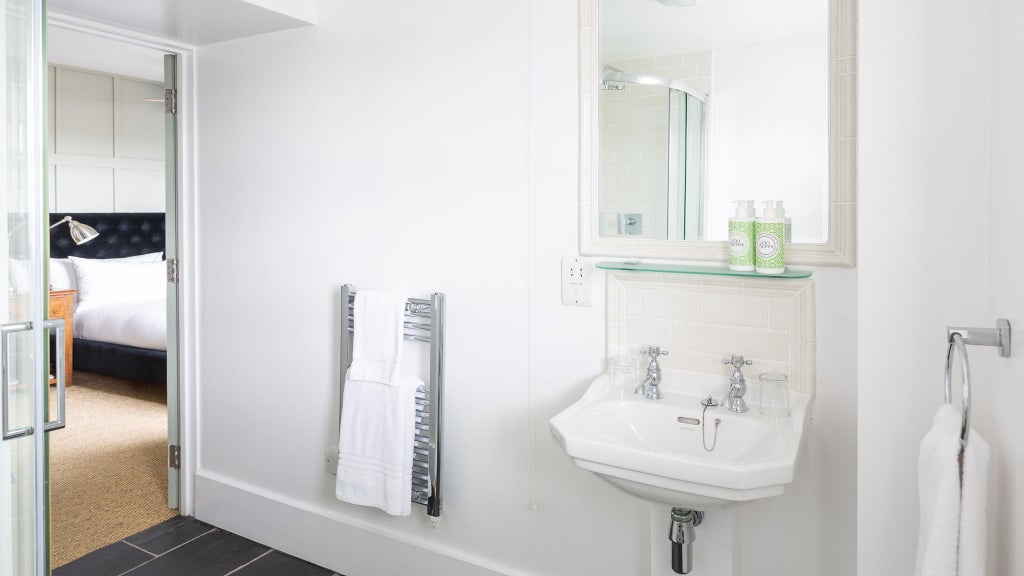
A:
[649, 387]
[737, 384]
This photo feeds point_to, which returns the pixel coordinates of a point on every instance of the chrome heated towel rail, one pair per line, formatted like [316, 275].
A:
[424, 322]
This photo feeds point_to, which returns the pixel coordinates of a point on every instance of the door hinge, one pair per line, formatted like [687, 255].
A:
[170, 101]
[174, 457]
[172, 270]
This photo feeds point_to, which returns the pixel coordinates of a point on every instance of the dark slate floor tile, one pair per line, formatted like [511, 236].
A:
[169, 534]
[213, 554]
[278, 563]
[107, 561]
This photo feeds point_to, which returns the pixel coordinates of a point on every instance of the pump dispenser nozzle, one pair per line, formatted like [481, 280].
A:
[768, 210]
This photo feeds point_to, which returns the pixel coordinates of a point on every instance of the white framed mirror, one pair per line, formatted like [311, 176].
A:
[738, 99]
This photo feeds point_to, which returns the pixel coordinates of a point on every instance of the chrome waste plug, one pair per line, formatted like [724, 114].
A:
[682, 534]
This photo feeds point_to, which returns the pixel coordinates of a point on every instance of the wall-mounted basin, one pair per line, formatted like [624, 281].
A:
[642, 447]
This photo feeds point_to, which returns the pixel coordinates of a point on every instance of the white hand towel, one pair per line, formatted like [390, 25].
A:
[377, 336]
[972, 507]
[376, 448]
[939, 485]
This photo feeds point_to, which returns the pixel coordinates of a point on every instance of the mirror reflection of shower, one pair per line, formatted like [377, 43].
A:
[653, 151]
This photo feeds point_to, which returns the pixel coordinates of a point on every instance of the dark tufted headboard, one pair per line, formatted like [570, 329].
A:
[121, 234]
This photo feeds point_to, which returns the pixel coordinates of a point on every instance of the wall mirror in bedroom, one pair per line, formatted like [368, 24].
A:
[689, 105]
[109, 144]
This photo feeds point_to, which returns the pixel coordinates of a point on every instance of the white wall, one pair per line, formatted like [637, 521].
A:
[1002, 424]
[923, 248]
[437, 152]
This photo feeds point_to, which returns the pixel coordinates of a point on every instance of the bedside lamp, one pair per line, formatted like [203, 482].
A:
[80, 233]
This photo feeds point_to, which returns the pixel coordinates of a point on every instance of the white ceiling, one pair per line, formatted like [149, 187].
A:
[80, 50]
[643, 28]
[195, 22]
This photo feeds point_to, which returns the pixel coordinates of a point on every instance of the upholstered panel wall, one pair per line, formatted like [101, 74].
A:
[124, 234]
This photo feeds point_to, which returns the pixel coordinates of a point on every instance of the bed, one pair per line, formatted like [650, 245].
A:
[120, 315]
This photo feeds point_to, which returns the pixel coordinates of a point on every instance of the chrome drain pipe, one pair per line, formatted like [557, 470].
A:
[682, 534]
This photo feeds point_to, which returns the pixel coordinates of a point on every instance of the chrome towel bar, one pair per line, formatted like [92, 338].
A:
[958, 339]
[427, 461]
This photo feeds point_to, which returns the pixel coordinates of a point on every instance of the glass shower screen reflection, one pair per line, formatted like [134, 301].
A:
[651, 161]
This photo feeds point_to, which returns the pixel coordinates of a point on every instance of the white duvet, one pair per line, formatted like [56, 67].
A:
[139, 324]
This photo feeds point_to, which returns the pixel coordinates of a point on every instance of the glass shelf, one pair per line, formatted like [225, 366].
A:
[789, 274]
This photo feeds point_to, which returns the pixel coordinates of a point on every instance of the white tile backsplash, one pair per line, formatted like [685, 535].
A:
[736, 310]
[702, 319]
[674, 304]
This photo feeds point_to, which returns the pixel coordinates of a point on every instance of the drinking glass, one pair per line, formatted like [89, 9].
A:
[622, 379]
[773, 394]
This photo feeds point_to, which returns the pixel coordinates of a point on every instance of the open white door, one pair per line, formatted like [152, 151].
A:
[171, 252]
[24, 549]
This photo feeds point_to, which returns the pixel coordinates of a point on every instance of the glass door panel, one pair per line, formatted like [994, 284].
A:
[23, 548]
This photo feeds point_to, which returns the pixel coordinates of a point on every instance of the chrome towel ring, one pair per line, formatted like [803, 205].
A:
[956, 342]
[958, 338]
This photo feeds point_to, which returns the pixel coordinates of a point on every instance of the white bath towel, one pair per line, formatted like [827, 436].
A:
[377, 336]
[939, 485]
[952, 537]
[973, 502]
[376, 447]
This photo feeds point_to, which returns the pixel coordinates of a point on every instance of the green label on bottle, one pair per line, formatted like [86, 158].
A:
[741, 243]
[769, 245]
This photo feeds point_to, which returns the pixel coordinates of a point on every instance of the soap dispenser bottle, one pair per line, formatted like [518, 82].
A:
[741, 237]
[769, 236]
[787, 235]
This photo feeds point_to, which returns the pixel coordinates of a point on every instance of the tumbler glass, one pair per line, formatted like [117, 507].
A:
[622, 379]
[773, 392]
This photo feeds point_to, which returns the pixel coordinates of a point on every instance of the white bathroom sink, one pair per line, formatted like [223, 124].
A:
[639, 446]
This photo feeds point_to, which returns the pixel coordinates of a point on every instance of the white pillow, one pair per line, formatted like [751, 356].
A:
[105, 282]
[19, 273]
[62, 274]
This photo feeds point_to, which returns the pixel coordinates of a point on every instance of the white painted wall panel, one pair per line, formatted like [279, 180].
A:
[51, 110]
[101, 125]
[1001, 422]
[140, 123]
[84, 189]
[923, 247]
[139, 190]
[85, 113]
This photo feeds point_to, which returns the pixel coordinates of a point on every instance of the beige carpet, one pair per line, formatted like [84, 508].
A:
[108, 467]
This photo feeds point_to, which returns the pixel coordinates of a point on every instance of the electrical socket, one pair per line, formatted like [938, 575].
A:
[331, 457]
[577, 281]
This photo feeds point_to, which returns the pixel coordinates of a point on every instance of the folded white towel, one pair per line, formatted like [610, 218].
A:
[377, 336]
[939, 485]
[972, 507]
[376, 447]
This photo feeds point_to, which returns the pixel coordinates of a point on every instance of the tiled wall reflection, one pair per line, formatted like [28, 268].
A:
[634, 141]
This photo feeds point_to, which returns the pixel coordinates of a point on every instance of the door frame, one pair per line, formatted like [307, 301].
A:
[186, 212]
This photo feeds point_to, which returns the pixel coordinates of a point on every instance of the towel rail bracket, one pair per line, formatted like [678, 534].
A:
[998, 336]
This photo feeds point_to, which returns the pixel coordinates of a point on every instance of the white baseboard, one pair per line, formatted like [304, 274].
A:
[325, 537]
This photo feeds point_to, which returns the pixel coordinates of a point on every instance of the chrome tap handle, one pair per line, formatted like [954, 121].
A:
[737, 361]
[654, 352]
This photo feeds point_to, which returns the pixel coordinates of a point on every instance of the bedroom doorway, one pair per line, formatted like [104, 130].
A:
[113, 167]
